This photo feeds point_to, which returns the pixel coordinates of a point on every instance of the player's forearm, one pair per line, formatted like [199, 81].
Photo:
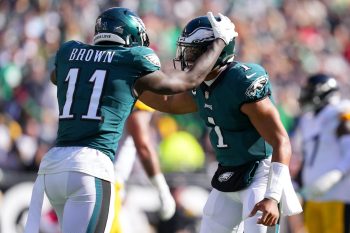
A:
[155, 101]
[180, 81]
[279, 171]
[149, 168]
[177, 81]
[53, 77]
[205, 63]
[149, 160]
[281, 150]
[175, 104]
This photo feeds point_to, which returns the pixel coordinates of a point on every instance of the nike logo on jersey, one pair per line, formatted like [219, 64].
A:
[251, 75]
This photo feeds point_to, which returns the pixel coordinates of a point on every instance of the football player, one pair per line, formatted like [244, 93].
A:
[97, 86]
[251, 145]
[324, 127]
[137, 141]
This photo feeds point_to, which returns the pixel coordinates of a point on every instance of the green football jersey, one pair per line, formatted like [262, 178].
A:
[232, 135]
[94, 91]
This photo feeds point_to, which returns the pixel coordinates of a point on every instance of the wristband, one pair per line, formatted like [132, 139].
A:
[278, 175]
[159, 182]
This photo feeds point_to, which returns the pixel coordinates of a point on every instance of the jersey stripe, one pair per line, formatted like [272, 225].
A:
[99, 216]
[97, 207]
[103, 216]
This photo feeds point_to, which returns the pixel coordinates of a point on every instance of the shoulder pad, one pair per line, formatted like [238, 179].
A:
[145, 56]
[250, 82]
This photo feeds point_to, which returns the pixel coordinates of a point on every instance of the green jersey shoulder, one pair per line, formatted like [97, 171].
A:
[250, 82]
[140, 58]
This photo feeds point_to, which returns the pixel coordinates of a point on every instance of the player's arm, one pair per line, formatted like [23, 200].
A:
[265, 118]
[175, 104]
[178, 81]
[53, 77]
[140, 132]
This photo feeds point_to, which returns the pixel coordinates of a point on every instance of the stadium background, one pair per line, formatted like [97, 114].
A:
[291, 39]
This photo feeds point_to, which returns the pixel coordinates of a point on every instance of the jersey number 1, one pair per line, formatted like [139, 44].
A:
[217, 130]
[98, 78]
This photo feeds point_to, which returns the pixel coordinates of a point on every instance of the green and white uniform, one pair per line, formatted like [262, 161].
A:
[95, 92]
[232, 135]
[95, 96]
[236, 143]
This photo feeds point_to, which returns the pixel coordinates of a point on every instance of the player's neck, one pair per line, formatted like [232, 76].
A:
[215, 73]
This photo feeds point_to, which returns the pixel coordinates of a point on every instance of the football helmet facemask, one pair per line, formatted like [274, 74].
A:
[319, 90]
[122, 26]
[194, 41]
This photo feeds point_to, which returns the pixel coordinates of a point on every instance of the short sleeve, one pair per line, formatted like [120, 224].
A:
[253, 84]
[146, 60]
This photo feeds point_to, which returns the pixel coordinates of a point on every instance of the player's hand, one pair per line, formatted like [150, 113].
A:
[167, 202]
[322, 184]
[223, 29]
[270, 212]
[168, 206]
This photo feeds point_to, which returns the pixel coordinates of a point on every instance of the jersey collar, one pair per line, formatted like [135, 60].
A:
[205, 87]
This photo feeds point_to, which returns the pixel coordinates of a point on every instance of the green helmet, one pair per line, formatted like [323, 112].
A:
[122, 26]
[194, 40]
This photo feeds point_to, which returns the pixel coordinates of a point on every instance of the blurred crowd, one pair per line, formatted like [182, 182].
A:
[291, 39]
